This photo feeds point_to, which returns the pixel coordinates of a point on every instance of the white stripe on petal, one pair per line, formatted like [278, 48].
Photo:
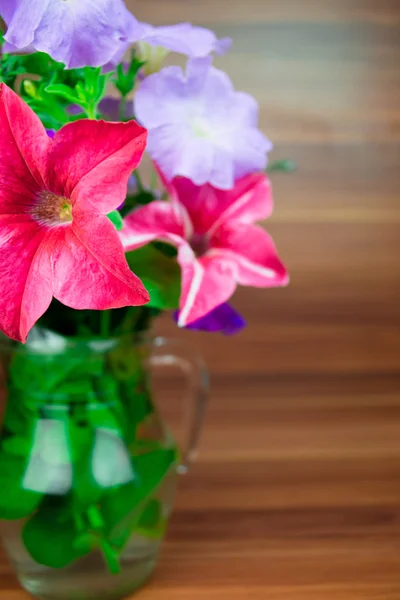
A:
[245, 262]
[192, 295]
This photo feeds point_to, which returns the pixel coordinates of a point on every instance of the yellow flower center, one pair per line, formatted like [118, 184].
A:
[51, 209]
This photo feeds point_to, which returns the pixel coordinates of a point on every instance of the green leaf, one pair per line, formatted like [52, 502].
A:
[64, 91]
[116, 220]
[16, 502]
[20, 417]
[285, 166]
[86, 490]
[52, 538]
[10, 67]
[40, 63]
[122, 507]
[152, 523]
[39, 374]
[94, 88]
[16, 444]
[125, 80]
[160, 274]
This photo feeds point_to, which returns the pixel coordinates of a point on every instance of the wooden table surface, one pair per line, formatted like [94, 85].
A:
[296, 493]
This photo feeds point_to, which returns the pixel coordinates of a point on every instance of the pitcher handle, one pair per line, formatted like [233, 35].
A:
[174, 353]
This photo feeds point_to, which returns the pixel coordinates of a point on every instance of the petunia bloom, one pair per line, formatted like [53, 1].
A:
[185, 38]
[199, 126]
[218, 245]
[156, 43]
[55, 237]
[223, 319]
[77, 33]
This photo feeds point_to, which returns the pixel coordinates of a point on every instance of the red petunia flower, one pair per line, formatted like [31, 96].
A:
[55, 237]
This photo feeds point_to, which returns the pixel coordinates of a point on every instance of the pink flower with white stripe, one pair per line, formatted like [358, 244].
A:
[218, 244]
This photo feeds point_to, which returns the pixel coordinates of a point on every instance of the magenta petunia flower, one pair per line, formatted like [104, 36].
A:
[199, 127]
[77, 33]
[55, 237]
[218, 245]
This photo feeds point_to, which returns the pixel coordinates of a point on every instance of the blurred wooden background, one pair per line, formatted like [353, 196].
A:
[296, 493]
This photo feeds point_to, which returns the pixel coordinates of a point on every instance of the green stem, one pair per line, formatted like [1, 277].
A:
[122, 109]
[95, 519]
[111, 556]
[91, 112]
[105, 323]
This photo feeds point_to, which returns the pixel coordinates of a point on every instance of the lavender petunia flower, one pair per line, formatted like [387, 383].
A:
[183, 38]
[110, 108]
[223, 319]
[199, 126]
[156, 43]
[77, 33]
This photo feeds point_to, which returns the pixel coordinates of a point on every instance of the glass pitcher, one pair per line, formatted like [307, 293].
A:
[88, 468]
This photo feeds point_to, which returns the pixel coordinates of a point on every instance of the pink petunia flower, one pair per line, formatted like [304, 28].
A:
[55, 237]
[218, 245]
[199, 126]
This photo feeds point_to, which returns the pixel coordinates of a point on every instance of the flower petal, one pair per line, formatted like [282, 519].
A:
[66, 30]
[157, 220]
[206, 283]
[209, 207]
[22, 18]
[223, 319]
[110, 108]
[90, 269]
[7, 9]
[254, 253]
[108, 22]
[249, 201]
[23, 145]
[156, 102]
[91, 161]
[200, 115]
[185, 38]
[25, 275]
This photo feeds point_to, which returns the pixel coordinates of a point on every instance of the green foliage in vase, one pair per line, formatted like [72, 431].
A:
[71, 413]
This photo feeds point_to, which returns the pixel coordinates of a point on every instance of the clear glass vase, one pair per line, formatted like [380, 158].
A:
[88, 468]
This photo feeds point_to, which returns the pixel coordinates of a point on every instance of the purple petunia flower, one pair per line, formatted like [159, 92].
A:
[223, 319]
[199, 126]
[110, 108]
[77, 33]
[156, 43]
[183, 38]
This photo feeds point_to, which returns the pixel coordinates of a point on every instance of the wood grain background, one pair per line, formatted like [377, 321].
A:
[296, 493]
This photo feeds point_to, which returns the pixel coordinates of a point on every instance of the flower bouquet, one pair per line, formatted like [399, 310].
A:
[91, 252]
